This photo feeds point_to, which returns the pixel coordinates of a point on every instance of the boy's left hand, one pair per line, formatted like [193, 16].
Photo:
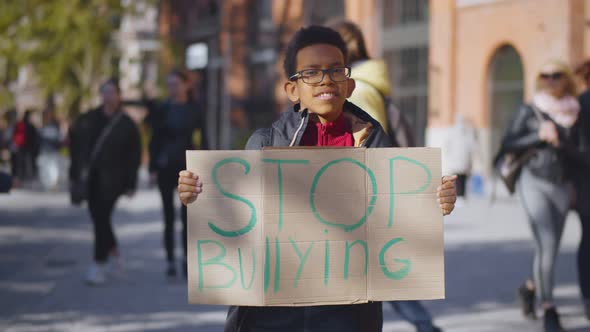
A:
[447, 195]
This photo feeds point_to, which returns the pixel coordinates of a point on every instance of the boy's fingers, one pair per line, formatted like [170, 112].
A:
[185, 173]
[447, 208]
[446, 199]
[188, 174]
[447, 192]
[448, 178]
[447, 185]
[186, 195]
[182, 188]
[185, 180]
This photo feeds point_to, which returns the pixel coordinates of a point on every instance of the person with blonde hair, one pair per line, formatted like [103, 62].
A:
[544, 131]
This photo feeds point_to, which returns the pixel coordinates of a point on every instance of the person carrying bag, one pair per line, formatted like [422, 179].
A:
[79, 186]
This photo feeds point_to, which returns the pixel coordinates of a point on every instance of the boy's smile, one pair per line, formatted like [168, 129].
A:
[327, 97]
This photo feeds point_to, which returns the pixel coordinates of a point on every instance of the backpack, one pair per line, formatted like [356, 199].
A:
[398, 127]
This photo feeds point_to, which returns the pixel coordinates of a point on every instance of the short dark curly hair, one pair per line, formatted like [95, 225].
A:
[314, 34]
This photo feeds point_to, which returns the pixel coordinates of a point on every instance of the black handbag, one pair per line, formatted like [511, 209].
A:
[79, 186]
[509, 167]
[510, 164]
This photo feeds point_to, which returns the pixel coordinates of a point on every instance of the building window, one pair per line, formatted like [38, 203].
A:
[506, 91]
[403, 12]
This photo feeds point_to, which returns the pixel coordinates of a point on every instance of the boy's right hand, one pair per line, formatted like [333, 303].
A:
[189, 187]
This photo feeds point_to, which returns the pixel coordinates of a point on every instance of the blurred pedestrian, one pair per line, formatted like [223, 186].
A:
[371, 94]
[543, 131]
[105, 150]
[51, 141]
[25, 147]
[5, 176]
[173, 124]
[460, 149]
[582, 185]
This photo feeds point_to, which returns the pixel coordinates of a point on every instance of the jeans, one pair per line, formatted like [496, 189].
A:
[412, 311]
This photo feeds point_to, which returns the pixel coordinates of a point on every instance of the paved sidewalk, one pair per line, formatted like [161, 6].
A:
[45, 247]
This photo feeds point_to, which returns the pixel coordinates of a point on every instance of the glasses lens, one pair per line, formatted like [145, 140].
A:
[339, 74]
[312, 76]
[557, 76]
[552, 76]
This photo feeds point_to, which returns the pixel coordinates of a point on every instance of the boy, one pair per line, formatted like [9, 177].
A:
[319, 83]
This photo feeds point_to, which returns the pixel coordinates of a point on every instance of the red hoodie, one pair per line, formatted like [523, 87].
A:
[337, 133]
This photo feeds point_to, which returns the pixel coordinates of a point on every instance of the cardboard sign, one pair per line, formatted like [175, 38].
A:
[295, 227]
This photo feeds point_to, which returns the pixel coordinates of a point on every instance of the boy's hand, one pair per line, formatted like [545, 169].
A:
[447, 195]
[189, 187]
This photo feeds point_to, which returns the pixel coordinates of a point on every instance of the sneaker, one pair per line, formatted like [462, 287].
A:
[526, 298]
[171, 270]
[551, 321]
[95, 274]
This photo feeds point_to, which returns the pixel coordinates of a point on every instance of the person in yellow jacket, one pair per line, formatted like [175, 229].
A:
[371, 93]
[371, 75]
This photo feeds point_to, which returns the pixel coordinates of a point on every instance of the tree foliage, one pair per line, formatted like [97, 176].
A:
[69, 43]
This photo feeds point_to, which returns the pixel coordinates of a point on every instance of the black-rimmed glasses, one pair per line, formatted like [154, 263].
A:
[552, 76]
[315, 76]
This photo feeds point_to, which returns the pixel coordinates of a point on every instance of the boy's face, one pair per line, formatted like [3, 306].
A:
[327, 97]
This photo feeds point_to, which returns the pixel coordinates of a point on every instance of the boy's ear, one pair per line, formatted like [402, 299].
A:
[351, 86]
[292, 91]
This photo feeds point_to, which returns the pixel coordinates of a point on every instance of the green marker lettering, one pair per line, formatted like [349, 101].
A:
[266, 266]
[347, 256]
[399, 274]
[277, 266]
[252, 221]
[314, 185]
[217, 260]
[302, 259]
[327, 263]
[391, 187]
[280, 180]
[242, 270]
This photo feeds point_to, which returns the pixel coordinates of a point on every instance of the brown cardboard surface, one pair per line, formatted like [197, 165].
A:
[315, 226]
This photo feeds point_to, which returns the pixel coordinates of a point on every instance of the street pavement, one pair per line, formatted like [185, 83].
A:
[46, 245]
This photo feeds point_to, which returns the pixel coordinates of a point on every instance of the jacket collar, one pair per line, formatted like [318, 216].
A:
[293, 123]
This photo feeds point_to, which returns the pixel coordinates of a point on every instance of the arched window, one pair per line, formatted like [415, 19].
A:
[506, 88]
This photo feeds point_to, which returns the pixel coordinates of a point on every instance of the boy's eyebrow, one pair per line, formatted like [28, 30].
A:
[333, 64]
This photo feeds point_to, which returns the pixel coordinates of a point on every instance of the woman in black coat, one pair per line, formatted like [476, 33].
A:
[105, 149]
[173, 124]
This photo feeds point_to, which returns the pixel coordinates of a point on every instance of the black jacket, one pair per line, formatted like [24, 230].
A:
[286, 131]
[580, 161]
[548, 162]
[173, 126]
[118, 159]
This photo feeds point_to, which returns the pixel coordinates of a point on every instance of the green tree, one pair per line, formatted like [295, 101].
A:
[69, 43]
